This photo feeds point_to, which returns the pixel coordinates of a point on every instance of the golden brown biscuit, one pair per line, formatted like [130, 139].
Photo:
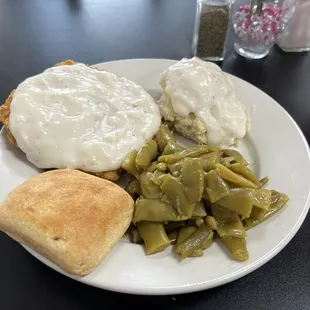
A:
[72, 218]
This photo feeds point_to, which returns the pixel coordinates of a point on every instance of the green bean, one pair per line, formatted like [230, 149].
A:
[209, 160]
[228, 222]
[262, 198]
[213, 149]
[192, 179]
[195, 222]
[194, 242]
[186, 195]
[263, 181]
[191, 222]
[278, 201]
[240, 200]
[215, 186]
[238, 157]
[245, 172]
[173, 235]
[237, 247]
[226, 161]
[175, 193]
[211, 222]
[155, 210]
[148, 188]
[170, 226]
[133, 188]
[184, 233]
[258, 214]
[171, 148]
[234, 178]
[199, 221]
[166, 199]
[195, 151]
[231, 185]
[176, 167]
[156, 175]
[159, 177]
[163, 136]
[152, 167]
[176, 174]
[154, 237]
[134, 234]
[208, 241]
[146, 154]
[197, 253]
[129, 164]
[161, 167]
[199, 210]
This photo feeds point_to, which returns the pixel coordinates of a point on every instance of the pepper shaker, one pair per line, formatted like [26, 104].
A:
[211, 28]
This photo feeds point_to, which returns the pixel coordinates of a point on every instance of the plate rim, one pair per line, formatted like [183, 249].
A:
[203, 285]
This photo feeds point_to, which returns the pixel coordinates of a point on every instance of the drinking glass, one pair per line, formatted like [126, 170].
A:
[255, 33]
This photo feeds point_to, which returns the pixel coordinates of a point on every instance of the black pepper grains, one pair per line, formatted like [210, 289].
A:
[212, 24]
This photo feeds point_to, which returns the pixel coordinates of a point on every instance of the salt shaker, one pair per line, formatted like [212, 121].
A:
[211, 27]
[296, 37]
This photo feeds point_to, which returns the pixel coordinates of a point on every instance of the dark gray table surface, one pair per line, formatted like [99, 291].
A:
[35, 34]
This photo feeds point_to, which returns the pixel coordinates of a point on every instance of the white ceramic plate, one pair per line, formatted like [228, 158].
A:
[275, 147]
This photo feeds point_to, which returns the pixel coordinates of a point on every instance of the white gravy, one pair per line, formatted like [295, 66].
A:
[80, 118]
[200, 87]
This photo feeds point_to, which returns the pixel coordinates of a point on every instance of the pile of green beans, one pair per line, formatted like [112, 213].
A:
[187, 196]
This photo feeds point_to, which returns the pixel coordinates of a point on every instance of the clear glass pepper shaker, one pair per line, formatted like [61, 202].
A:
[296, 37]
[211, 28]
